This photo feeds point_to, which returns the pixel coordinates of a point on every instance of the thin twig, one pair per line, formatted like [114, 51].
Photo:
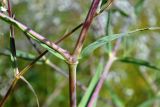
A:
[104, 74]
[86, 25]
[81, 24]
[8, 92]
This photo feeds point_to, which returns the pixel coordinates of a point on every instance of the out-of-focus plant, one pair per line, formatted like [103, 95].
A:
[114, 52]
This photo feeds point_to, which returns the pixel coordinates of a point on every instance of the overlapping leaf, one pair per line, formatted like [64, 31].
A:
[93, 83]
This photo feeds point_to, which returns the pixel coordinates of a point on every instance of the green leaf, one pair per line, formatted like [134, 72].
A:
[31, 88]
[106, 39]
[103, 2]
[117, 101]
[92, 85]
[53, 51]
[139, 5]
[149, 103]
[138, 62]
[100, 42]
[46, 47]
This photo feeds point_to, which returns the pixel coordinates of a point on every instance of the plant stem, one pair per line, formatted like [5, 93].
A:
[86, 25]
[35, 35]
[13, 57]
[72, 84]
[112, 58]
[100, 82]
[8, 92]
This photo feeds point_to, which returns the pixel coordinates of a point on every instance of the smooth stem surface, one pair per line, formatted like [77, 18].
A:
[72, 84]
[100, 82]
[86, 25]
[112, 58]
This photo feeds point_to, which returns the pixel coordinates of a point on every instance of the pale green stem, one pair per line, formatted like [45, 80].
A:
[72, 84]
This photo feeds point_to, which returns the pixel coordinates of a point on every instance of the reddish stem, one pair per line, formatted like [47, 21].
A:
[104, 74]
[85, 27]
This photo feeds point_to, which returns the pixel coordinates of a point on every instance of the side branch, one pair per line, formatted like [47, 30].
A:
[85, 27]
[35, 35]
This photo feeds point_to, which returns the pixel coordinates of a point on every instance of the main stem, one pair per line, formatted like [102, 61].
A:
[72, 84]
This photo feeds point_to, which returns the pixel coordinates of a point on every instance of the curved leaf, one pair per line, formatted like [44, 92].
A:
[31, 88]
[106, 39]
[93, 83]
[138, 62]
[53, 51]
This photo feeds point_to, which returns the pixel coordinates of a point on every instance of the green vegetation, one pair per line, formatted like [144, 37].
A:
[79, 53]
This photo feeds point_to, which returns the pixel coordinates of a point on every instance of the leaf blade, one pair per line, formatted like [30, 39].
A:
[138, 62]
[93, 83]
[106, 39]
[31, 88]
[118, 102]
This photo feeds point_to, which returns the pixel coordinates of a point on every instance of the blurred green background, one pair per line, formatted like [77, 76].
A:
[128, 84]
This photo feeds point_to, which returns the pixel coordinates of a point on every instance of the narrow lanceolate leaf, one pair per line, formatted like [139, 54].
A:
[138, 62]
[106, 39]
[150, 102]
[92, 85]
[31, 88]
[53, 51]
[47, 47]
[37, 37]
[116, 100]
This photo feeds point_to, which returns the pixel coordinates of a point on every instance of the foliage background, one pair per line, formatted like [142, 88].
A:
[128, 84]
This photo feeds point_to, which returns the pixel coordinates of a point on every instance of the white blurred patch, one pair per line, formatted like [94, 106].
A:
[64, 5]
[56, 21]
[128, 92]
[143, 50]
[116, 76]
[99, 24]
[126, 7]
[3, 9]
